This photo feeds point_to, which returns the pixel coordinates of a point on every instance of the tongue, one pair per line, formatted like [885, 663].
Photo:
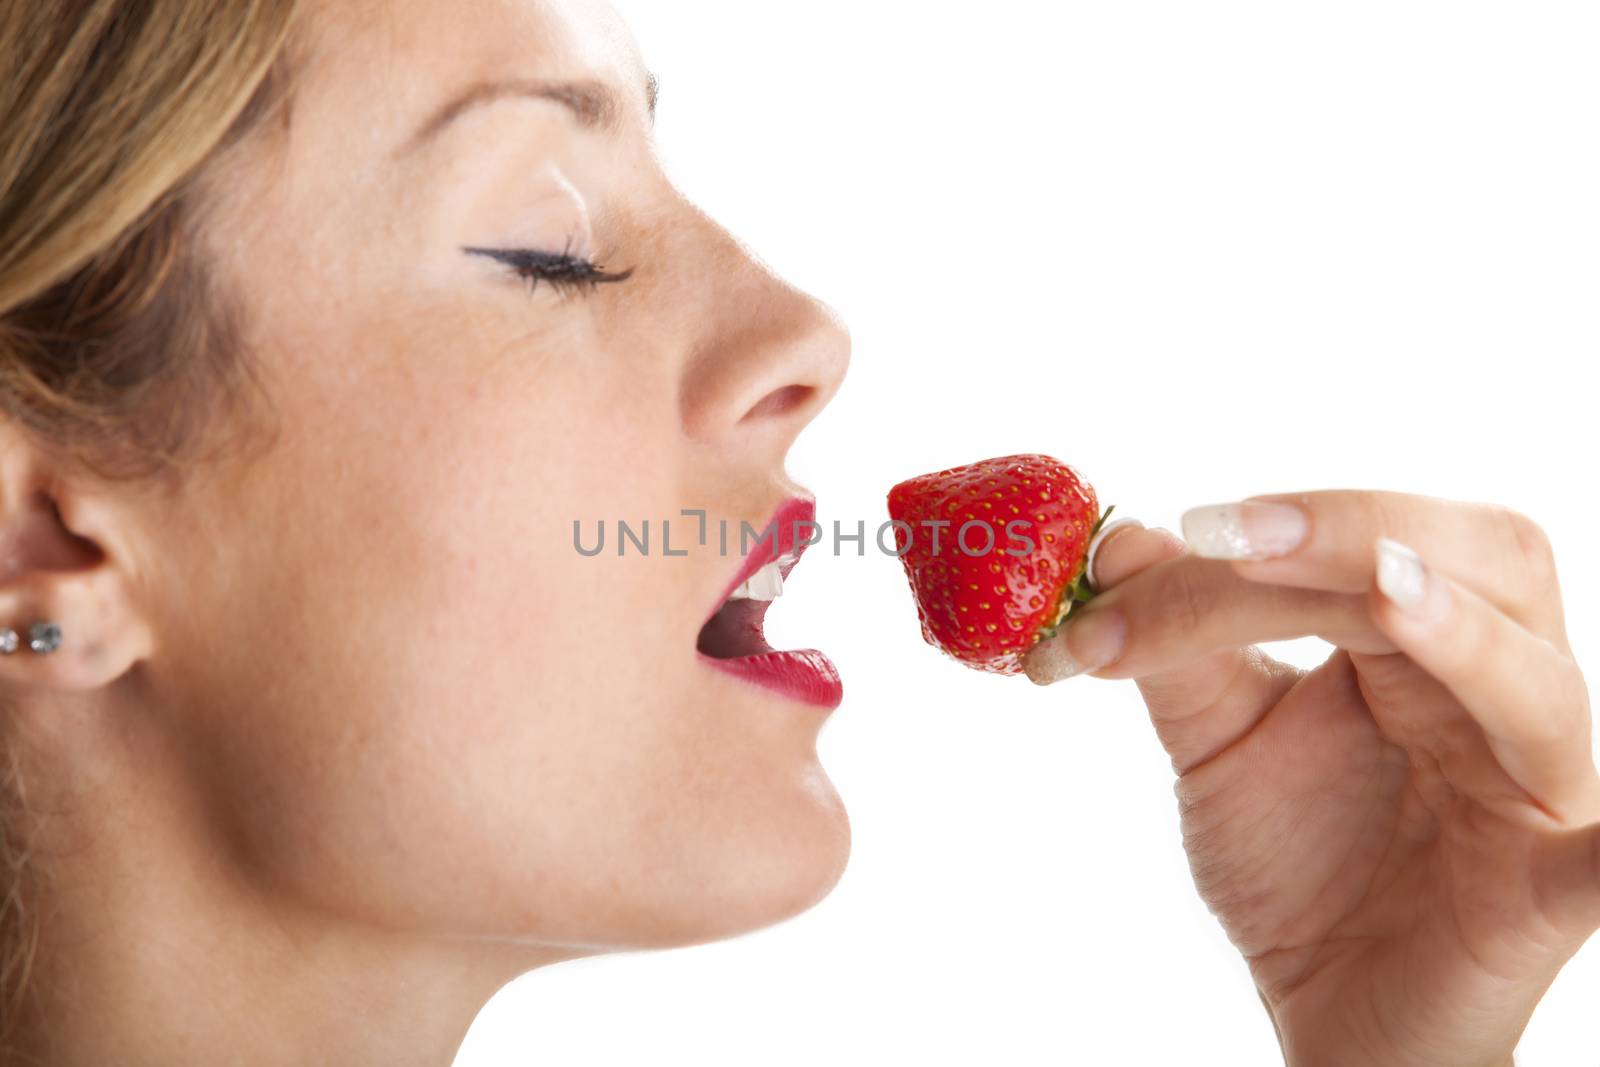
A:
[735, 630]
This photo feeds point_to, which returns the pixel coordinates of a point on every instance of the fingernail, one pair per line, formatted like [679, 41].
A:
[1401, 575]
[1099, 539]
[1085, 644]
[1247, 530]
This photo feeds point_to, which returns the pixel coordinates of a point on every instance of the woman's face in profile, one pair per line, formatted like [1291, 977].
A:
[463, 725]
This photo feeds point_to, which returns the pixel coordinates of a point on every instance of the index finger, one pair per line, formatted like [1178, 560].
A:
[1323, 540]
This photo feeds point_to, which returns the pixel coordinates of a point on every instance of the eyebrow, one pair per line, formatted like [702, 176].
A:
[593, 103]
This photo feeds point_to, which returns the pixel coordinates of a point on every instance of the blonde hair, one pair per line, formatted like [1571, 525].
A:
[116, 356]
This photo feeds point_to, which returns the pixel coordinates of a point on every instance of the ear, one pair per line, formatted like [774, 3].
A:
[64, 560]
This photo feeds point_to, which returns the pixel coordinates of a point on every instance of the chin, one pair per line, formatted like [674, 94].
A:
[818, 849]
[761, 874]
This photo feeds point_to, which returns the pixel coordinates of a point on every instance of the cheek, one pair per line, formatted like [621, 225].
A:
[467, 725]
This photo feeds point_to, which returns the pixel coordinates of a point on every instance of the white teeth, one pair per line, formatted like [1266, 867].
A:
[764, 584]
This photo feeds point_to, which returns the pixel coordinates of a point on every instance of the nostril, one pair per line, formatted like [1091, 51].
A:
[779, 402]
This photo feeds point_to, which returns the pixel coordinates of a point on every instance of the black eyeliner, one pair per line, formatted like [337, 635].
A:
[560, 269]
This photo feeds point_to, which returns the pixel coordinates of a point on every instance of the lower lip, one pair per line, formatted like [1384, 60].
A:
[806, 675]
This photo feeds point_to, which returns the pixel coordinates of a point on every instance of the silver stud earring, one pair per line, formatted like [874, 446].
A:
[44, 637]
[8, 641]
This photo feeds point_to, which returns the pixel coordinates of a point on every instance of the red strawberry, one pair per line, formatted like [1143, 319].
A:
[987, 600]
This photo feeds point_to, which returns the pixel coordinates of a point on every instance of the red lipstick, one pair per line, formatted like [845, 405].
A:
[732, 640]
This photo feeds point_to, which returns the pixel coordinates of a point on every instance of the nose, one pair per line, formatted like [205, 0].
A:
[767, 356]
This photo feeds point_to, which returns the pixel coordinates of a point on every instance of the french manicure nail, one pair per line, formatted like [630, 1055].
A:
[1401, 575]
[1246, 530]
[1085, 644]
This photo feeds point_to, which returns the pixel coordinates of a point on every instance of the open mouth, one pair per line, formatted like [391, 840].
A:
[737, 627]
[733, 638]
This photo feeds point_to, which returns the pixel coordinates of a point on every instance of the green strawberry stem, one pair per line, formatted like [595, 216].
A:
[1078, 592]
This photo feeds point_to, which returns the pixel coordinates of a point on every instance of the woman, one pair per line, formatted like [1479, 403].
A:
[320, 327]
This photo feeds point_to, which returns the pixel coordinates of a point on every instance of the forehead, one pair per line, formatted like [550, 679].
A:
[383, 64]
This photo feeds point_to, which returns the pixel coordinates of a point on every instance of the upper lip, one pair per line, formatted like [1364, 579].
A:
[784, 544]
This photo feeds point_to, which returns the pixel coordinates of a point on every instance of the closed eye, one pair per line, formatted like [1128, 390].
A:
[562, 270]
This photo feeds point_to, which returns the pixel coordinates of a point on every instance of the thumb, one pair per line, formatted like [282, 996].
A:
[1112, 559]
[1234, 687]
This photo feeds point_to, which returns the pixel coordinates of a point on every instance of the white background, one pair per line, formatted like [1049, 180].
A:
[1200, 251]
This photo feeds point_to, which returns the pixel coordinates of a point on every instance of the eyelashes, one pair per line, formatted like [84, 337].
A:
[563, 271]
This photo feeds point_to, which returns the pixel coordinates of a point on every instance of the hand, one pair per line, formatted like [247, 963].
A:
[1403, 841]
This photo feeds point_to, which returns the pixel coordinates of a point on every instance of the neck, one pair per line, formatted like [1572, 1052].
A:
[177, 957]
[172, 974]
